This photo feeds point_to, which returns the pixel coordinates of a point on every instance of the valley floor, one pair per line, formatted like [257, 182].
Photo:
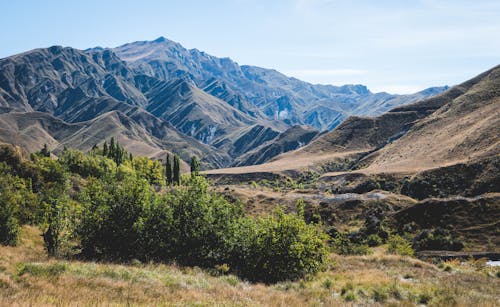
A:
[28, 277]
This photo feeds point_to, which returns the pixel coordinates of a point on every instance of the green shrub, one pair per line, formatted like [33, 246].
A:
[374, 240]
[328, 283]
[436, 239]
[341, 244]
[284, 247]
[44, 270]
[204, 225]
[399, 245]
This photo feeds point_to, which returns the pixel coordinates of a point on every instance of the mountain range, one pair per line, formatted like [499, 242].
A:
[157, 97]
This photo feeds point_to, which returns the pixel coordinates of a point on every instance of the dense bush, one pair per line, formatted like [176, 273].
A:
[86, 165]
[203, 225]
[347, 244]
[109, 223]
[9, 226]
[436, 239]
[282, 247]
[399, 245]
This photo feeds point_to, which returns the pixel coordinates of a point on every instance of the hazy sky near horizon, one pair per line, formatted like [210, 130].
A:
[388, 45]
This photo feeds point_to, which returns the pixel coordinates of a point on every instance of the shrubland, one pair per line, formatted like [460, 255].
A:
[106, 205]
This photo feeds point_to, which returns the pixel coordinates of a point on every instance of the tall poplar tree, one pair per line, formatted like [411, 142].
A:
[168, 170]
[195, 166]
[177, 170]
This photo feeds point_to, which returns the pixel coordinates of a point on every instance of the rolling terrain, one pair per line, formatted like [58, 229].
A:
[456, 126]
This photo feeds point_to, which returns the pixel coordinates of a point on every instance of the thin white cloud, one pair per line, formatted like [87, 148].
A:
[326, 72]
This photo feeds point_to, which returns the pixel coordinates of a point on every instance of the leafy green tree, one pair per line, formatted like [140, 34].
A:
[168, 171]
[55, 200]
[156, 229]
[195, 167]
[111, 217]
[17, 192]
[87, 165]
[51, 171]
[151, 170]
[176, 170]
[203, 224]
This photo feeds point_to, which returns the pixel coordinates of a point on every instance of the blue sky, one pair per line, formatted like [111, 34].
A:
[395, 46]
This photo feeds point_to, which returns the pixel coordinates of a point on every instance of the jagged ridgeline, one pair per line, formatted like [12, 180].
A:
[156, 97]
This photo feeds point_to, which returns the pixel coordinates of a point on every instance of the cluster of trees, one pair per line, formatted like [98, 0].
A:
[114, 151]
[118, 212]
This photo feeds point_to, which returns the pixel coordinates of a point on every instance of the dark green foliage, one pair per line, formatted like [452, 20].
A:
[203, 224]
[193, 226]
[168, 171]
[55, 201]
[283, 247]
[176, 177]
[346, 244]
[86, 165]
[52, 172]
[109, 226]
[115, 152]
[156, 230]
[105, 149]
[374, 240]
[195, 167]
[9, 226]
[45, 152]
[436, 239]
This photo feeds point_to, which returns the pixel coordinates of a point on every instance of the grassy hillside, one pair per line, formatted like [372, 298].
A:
[28, 277]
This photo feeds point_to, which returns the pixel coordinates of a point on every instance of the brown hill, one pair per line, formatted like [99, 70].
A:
[458, 126]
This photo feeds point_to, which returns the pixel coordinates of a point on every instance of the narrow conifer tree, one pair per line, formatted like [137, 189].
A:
[195, 166]
[177, 170]
[112, 148]
[168, 171]
[105, 149]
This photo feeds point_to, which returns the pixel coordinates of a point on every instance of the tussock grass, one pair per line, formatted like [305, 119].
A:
[28, 277]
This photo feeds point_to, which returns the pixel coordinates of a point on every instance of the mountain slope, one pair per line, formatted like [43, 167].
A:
[293, 138]
[464, 129]
[277, 96]
[80, 87]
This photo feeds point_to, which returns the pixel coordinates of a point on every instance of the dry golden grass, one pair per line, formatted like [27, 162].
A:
[28, 278]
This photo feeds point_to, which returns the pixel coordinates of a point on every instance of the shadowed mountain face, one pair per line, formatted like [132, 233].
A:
[160, 96]
[291, 139]
[259, 92]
